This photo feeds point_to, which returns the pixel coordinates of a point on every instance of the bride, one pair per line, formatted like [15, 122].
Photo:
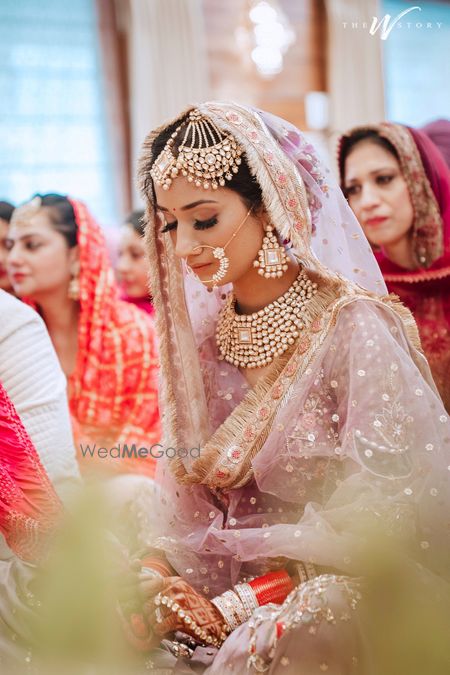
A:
[304, 386]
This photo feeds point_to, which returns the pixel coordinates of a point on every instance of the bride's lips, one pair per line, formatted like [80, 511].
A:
[200, 266]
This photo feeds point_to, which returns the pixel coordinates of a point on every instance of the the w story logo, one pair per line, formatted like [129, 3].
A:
[383, 27]
[386, 24]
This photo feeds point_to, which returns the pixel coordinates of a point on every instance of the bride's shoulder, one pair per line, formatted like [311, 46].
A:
[371, 314]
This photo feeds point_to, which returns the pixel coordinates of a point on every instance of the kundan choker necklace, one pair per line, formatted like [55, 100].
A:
[254, 340]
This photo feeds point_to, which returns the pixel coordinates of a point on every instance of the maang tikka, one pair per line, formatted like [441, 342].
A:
[272, 259]
[207, 156]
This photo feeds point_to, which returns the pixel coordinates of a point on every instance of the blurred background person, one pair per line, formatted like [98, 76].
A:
[106, 347]
[398, 185]
[132, 264]
[38, 468]
[6, 210]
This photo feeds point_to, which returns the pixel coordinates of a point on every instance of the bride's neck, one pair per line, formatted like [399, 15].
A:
[253, 292]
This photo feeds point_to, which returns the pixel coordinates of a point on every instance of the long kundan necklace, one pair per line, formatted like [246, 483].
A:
[254, 340]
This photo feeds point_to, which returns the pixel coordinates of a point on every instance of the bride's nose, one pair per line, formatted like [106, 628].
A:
[186, 243]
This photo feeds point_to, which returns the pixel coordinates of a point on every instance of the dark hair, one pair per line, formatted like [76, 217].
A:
[135, 219]
[61, 215]
[6, 211]
[349, 141]
[242, 182]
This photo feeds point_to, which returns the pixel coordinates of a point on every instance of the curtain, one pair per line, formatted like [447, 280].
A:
[166, 64]
[116, 109]
[354, 64]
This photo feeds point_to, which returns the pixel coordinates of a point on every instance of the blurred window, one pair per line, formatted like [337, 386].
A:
[417, 62]
[52, 116]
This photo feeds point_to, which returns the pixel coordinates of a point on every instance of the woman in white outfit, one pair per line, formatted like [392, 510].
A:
[33, 389]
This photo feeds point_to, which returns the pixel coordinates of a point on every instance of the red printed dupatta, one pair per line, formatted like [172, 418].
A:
[29, 506]
[113, 391]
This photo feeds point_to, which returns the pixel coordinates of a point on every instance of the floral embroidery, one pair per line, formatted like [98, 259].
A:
[253, 136]
[277, 391]
[315, 420]
[249, 433]
[234, 454]
[291, 367]
[316, 325]
[384, 449]
[233, 117]
[291, 204]
[264, 412]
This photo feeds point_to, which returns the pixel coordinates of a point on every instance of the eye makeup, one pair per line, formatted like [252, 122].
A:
[198, 224]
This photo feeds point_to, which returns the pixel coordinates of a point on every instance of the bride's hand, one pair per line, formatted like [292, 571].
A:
[194, 605]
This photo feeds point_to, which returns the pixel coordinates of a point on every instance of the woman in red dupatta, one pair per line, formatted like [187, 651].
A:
[394, 177]
[29, 505]
[59, 262]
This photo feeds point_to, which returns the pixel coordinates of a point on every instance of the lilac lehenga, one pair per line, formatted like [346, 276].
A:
[346, 432]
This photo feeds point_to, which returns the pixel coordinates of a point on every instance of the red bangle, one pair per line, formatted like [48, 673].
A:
[272, 587]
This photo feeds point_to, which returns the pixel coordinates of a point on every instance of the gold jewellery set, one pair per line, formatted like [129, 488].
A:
[208, 157]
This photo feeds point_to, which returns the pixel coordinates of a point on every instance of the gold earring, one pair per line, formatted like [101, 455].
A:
[74, 288]
[272, 259]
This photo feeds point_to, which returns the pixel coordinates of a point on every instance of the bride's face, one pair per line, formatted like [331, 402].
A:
[197, 219]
